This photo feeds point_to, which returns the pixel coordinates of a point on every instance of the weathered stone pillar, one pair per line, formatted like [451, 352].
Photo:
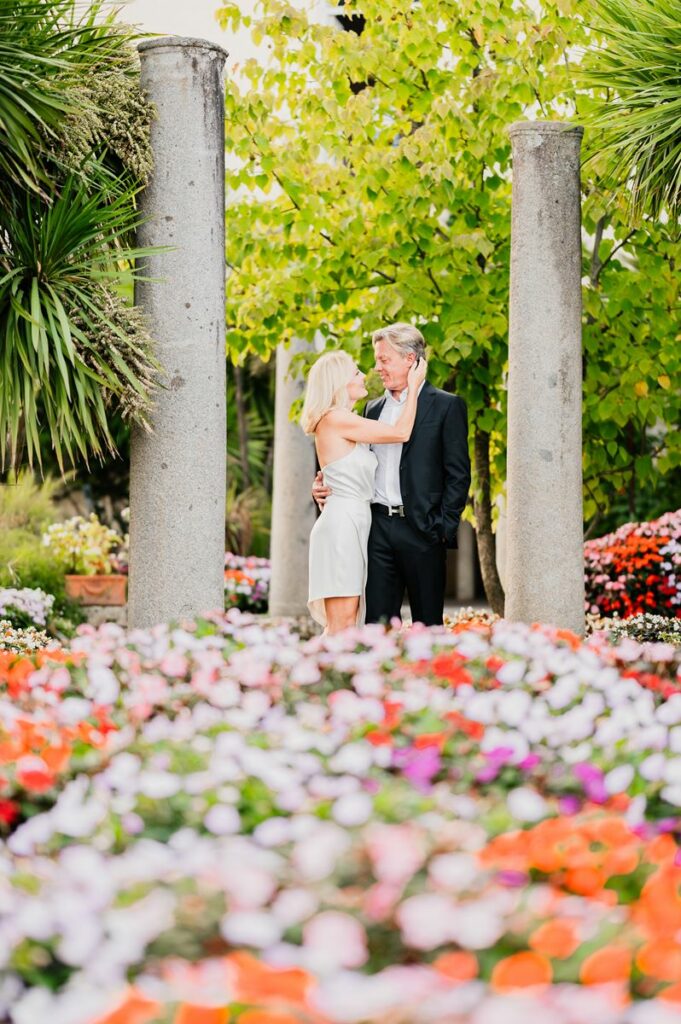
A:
[544, 558]
[178, 473]
[293, 511]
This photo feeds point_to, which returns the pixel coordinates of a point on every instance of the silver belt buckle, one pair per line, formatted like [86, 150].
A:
[396, 510]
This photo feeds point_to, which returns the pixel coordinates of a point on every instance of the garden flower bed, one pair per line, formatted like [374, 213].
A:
[636, 569]
[220, 822]
[247, 582]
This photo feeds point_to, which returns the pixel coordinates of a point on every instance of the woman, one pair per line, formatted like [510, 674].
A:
[338, 542]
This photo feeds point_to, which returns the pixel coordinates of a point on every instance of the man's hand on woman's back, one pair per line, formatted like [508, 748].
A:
[319, 491]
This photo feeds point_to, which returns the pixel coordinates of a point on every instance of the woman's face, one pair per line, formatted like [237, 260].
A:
[355, 386]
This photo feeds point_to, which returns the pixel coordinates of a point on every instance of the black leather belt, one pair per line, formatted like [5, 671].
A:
[389, 510]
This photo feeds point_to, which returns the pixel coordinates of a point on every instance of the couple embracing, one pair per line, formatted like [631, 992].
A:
[392, 486]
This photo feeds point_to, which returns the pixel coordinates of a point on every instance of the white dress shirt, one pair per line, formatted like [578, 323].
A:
[388, 456]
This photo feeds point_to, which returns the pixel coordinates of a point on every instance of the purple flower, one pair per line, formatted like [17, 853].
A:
[419, 766]
[569, 804]
[591, 778]
[529, 762]
[512, 878]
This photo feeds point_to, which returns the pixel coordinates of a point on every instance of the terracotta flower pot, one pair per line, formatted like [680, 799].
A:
[106, 590]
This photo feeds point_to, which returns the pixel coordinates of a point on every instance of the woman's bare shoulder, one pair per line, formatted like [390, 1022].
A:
[337, 417]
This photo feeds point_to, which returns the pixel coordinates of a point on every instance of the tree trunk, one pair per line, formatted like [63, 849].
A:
[482, 506]
[242, 427]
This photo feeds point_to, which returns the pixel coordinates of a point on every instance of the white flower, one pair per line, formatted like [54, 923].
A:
[453, 871]
[335, 940]
[652, 768]
[426, 920]
[672, 794]
[672, 771]
[512, 672]
[526, 804]
[222, 820]
[353, 809]
[619, 779]
[514, 706]
[250, 928]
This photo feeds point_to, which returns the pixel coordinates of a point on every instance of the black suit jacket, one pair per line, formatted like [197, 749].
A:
[435, 469]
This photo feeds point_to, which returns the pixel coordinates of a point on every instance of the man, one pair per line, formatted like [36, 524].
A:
[421, 487]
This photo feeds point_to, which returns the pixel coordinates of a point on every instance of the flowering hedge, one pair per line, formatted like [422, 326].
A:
[29, 606]
[247, 582]
[220, 822]
[636, 569]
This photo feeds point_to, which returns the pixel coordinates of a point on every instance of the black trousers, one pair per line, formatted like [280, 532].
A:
[401, 557]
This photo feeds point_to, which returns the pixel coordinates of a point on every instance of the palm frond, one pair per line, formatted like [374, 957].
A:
[71, 345]
[48, 50]
[638, 71]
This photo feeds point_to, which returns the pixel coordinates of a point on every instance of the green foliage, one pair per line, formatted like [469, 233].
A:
[26, 503]
[638, 69]
[374, 184]
[247, 516]
[75, 152]
[71, 346]
[632, 402]
[25, 562]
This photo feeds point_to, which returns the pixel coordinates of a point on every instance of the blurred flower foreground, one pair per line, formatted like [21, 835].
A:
[220, 821]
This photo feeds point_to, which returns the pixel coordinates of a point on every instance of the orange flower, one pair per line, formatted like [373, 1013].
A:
[34, 774]
[521, 970]
[658, 910]
[57, 756]
[134, 1009]
[449, 667]
[430, 739]
[586, 881]
[189, 1014]
[556, 939]
[661, 959]
[268, 1017]
[256, 982]
[570, 638]
[672, 994]
[457, 966]
[611, 963]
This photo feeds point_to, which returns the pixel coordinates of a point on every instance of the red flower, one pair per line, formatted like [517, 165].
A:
[9, 812]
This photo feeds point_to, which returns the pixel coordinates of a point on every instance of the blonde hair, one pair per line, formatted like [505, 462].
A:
[326, 388]
[403, 338]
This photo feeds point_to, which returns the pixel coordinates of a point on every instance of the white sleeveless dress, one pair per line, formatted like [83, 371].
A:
[339, 538]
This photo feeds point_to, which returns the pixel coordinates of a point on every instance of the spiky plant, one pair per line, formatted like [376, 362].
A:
[637, 71]
[75, 152]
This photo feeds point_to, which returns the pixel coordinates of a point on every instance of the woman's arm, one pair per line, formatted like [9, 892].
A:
[360, 428]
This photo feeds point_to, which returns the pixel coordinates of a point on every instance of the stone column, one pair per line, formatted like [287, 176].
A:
[178, 472]
[544, 557]
[293, 510]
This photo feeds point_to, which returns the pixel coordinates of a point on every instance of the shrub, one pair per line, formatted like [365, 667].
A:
[26, 563]
[636, 569]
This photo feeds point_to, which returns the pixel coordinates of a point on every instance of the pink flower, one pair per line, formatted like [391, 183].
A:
[396, 852]
[336, 939]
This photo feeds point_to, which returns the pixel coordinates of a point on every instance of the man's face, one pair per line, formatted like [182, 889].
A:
[392, 367]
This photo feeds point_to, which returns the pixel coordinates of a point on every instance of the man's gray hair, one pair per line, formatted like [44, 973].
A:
[403, 337]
